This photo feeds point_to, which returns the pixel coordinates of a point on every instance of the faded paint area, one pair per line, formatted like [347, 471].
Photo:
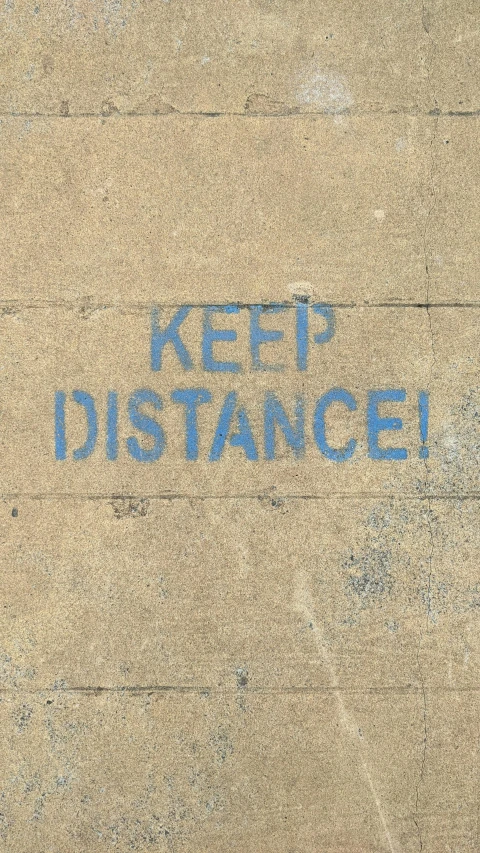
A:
[111, 16]
[457, 446]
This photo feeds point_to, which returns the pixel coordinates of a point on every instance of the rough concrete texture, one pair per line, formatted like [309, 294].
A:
[267, 656]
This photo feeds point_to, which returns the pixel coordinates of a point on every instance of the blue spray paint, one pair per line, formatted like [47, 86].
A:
[242, 438]
[423, 412]
[335, 395]
[145, 424]
[376, 424]
[60, 439]
[301, 311]
[210, 335]
[274, 413]
[112, 426]
[88, 403]
[260, 336]
[161, 337]
[191, 398]
[327, 313]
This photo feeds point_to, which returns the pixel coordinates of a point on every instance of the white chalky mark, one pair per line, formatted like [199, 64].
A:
[300, 288]
[324, 90]
[379, 215]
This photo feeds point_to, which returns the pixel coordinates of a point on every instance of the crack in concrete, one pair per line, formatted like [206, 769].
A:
[415, 497]
[429, 60]
[431, 210]
[289, 113]
[419, 783]
[9, 307]
[436, 113]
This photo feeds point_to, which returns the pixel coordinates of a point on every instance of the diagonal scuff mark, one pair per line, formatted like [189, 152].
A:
[422, 769]
[304, 605]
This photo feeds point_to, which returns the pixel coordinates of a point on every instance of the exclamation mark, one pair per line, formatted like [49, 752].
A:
[423, 417]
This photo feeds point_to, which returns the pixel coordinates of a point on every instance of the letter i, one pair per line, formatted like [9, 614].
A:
[112, 425]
